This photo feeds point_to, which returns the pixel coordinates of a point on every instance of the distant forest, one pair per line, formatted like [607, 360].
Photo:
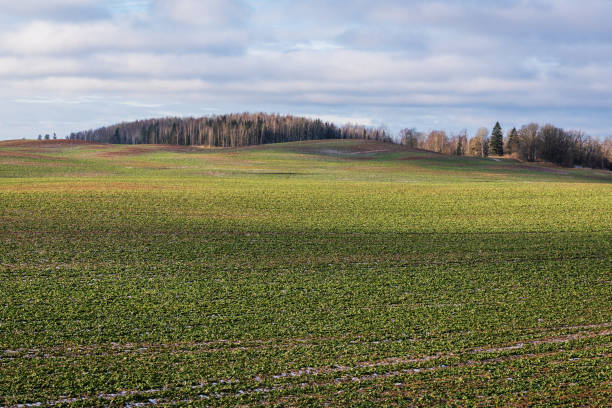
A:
[231, 130]
[532, 142]
[529, 143]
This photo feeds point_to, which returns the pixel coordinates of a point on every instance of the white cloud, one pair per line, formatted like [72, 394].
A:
[40, 38]
[365, 60]
[75, 39]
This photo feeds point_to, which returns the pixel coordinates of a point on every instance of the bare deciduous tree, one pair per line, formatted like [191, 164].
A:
[529, 142]
[411, 138]
[479, 144]
[230, 130]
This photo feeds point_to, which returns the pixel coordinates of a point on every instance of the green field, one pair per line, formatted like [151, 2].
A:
[328, 273]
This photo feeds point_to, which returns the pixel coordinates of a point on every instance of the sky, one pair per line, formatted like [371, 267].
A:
[70, 65]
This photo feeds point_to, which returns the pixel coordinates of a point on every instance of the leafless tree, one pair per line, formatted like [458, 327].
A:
[479, 144]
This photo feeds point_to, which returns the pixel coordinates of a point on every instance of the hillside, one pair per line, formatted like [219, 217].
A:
[230, 130]
[353, 159]
[321, 273]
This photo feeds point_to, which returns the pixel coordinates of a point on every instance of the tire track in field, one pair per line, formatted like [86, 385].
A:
[224, 345]
[314, 371]
[283, 387]
[479, 350]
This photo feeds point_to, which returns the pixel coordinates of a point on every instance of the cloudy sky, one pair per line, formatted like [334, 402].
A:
[68, 65]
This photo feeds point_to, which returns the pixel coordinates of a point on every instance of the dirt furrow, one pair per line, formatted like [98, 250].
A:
[223, 345]
[314, 371]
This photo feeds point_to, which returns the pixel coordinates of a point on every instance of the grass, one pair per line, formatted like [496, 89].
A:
[302, 274]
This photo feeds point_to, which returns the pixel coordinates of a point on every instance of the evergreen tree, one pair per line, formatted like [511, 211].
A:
[497, 140]
[513, 141]
[459, 149]
[116, 139]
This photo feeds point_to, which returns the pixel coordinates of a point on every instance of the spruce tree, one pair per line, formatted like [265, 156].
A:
[116, 139]
[513, 141]
[492, 143]
[497, 140]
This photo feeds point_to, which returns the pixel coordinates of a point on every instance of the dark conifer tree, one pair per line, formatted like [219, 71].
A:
[116, 139]
[513, 141]
[496, 142]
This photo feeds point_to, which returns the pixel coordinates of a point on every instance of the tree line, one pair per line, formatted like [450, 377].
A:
[230, 130]
[531, 142]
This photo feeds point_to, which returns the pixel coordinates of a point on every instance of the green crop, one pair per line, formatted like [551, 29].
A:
[338, 273]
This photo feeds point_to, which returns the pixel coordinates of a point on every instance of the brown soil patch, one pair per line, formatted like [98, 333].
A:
[129, 151]
[13, 154]
[134, 150]
[348, 147]
[183, 149]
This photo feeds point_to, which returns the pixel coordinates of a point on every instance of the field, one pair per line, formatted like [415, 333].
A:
[330, 273]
